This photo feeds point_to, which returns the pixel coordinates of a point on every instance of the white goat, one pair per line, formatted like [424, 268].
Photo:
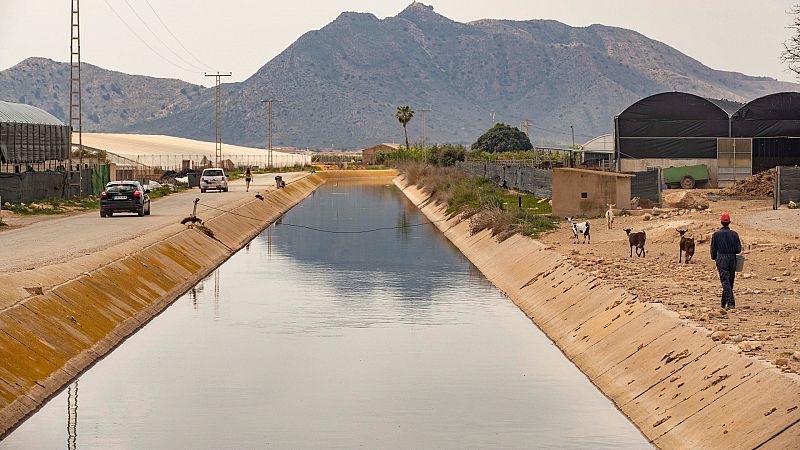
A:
[610, 216]
[580, 228]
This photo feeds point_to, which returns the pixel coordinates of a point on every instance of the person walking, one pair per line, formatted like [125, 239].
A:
[248, 176]
[725, 245]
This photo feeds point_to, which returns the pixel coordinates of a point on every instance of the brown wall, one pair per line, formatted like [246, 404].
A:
[601, 188]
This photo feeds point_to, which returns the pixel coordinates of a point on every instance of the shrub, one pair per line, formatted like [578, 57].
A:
[502, 138]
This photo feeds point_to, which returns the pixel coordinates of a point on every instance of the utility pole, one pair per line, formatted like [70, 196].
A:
[493, 122]
[526, 124]
[572, 149]
[218, 142]
[424, 126]
[269, 130]
[75, 95]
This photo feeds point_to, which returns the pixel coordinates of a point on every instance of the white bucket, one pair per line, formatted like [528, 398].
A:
[739, 263]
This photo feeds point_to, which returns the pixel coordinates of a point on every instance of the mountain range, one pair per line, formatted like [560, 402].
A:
[339, 86]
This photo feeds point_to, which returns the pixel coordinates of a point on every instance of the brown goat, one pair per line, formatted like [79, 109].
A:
[686, 246]
[637, 240]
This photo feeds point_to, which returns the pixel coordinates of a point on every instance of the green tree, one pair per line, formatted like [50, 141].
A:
[404, 115]
[502, 138]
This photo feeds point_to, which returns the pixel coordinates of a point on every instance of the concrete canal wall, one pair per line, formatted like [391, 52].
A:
[55, 321]
[677, 385]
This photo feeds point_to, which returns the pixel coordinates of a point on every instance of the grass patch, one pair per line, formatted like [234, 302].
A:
[485, 204]
[2, 223]
[165, 191]
[54, 206]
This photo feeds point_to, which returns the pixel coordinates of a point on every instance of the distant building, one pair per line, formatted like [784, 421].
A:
[598, 152]
[369, 154]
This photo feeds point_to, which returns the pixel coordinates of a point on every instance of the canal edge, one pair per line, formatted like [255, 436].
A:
[677, 385]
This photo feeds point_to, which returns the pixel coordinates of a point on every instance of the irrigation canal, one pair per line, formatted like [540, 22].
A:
[308, 339]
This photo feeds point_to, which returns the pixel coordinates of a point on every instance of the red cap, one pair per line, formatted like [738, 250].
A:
[726, 218]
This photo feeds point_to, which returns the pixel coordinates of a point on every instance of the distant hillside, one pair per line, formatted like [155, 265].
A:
[339, 86]
[111, 100]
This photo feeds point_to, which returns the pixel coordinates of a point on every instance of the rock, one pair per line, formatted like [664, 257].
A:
[719, 335]
[746, 276]
[786, 273]
[795, 280]
[647, 217]
[781, 362]
[703, 317]
[7, 204]
[738, 338]
[685, 199]
[685, 314]
[745, 346]
[796, 356]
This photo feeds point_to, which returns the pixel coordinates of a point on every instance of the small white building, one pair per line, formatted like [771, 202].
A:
[599, 151]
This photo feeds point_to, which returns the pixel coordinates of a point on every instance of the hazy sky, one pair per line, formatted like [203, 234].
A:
[241, 36]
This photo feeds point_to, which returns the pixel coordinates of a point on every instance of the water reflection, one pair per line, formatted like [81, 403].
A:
[72, 416]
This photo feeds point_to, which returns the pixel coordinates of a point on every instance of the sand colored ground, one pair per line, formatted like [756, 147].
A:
[156, 150]
[766, 322]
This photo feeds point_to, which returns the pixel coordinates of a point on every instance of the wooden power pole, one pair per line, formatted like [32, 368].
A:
[218, 102]
[425, 126]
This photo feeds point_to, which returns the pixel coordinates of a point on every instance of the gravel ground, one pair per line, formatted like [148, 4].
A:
[766, 322]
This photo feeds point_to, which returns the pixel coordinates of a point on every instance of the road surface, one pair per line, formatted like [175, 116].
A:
[62, 239]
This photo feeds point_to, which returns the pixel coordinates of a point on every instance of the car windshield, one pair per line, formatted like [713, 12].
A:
[122, 189]
[212, 173]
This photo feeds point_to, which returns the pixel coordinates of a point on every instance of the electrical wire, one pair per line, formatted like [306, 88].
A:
[371, 230]
[176, 37]
[158, 38]
[143, 41]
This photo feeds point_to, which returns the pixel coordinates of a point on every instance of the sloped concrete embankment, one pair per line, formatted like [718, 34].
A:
[49, 336]
[677, 385]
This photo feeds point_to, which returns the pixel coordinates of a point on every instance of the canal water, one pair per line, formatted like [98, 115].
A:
[312, 339]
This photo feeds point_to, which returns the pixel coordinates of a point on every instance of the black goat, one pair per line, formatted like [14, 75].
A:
[260, 197]
[637, 240]
[191, 219]
[687, 247]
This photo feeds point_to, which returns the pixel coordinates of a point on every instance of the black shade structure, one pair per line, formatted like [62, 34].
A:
[773, 122]
[671, 125]
[31, 135]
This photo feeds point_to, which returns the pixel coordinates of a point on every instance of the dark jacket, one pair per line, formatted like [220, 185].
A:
[725, 242]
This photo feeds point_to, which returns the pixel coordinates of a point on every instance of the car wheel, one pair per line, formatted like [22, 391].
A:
[102, 213]
[687, 183]
[140, 212]
[202, 191]
[110, 214]
[225, 190]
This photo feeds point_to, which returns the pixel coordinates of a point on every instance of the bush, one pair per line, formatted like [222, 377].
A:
[502, 138]
[446, 155]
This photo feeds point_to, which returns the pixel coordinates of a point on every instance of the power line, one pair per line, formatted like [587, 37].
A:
[176, 37]
[143, 41]
[158, 38]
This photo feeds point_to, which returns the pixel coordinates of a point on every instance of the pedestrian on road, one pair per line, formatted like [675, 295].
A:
[248, 176]
[725, 245]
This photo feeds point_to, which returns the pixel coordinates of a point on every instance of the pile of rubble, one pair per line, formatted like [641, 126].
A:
[758, 185]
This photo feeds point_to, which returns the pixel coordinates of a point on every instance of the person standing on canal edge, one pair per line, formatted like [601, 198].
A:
[725, 245]
[248, 176]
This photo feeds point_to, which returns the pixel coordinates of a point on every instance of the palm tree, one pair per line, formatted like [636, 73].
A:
[404, 115]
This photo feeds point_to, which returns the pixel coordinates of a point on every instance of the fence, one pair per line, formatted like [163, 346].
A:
[199, 162]
[512, 175]
[787, 186]
[31, 186]
[646, 185]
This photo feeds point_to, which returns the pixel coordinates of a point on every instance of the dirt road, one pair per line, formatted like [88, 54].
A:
[59, 239]
[766, 321]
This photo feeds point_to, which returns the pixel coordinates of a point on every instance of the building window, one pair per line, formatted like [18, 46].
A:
[584, 195]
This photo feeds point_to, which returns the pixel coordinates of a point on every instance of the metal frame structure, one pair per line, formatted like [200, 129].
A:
[75, 112]
[218, 103]
[269, 130]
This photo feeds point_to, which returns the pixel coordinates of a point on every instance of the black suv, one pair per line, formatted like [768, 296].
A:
[125, 196]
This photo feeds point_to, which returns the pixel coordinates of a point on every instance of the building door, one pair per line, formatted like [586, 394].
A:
[734, 160]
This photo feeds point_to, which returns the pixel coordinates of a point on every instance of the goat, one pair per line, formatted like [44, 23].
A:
[610, 216]
[686, 246]
[635, 203]
[580, 228]
[260, 197]
[637, 240]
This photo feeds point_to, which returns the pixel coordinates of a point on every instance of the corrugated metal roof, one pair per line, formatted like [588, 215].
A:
[21, 113]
